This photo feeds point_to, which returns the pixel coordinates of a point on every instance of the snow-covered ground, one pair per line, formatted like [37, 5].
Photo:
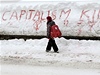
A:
[76, 57]
[45, 70]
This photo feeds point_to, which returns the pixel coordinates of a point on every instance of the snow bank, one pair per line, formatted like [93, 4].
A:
[73, 53]
[29, 18]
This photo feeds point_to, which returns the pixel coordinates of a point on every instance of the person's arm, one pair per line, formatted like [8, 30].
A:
[49, 28]
[48, 31]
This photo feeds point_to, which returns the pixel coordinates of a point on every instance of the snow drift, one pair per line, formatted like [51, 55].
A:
[73, 53]
[29, 18]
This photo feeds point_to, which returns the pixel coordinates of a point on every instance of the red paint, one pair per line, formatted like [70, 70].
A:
[91, 19]
[48, 12]
[42, 19]
[83, 14]
[30, 14]
[37, 20]
[79, 31]
[4, 14]
[66, 19]
[92, 22]
[23, 13]
[38, 17]
[54, 14]
[99, 14]
[14, 15]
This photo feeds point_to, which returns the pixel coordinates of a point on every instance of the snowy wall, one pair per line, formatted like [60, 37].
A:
[29, 18]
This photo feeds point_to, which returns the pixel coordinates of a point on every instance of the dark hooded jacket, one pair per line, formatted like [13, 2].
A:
[50, 22]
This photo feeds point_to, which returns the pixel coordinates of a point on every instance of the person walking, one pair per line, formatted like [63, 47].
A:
[51, 42]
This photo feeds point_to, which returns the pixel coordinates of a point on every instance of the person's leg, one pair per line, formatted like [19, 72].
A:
[48, 48]
[54, 46]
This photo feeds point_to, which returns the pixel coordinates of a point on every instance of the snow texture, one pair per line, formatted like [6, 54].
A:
[29, 18]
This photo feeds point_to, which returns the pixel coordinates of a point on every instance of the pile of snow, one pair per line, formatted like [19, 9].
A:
[75, 57]
[71, 21]
[73, 53]
[27, 57]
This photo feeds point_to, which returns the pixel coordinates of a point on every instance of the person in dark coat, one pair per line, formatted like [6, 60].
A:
[51, 42]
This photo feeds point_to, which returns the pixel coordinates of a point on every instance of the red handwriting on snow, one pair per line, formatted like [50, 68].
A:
[89, 17]
[35, 15]
[66, 19]
[4, 14]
